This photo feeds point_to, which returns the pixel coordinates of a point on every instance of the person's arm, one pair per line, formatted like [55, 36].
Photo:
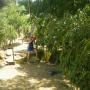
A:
[30, 40]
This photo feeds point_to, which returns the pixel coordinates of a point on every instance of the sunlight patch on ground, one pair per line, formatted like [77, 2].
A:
[21, 47]
[41, 84]
[45, 82]
[33, 81]
[47, 88]
[67, 82]
[9, 72]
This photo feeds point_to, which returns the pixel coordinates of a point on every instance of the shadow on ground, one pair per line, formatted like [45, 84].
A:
[31, 77]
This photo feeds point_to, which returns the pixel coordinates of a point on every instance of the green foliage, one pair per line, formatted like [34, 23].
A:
[75, 55]
[61, 25]
[71, 35]
[55, 7]
[40, 54]
[12, 22]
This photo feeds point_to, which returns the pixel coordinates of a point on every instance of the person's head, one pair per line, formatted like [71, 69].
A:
[34, 37]
[31, 38]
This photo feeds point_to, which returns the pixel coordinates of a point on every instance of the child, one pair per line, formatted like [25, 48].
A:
[31, 47]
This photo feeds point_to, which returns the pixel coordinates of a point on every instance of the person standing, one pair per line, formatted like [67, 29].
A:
[30, 47]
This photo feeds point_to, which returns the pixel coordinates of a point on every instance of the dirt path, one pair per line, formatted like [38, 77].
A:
[31, 77]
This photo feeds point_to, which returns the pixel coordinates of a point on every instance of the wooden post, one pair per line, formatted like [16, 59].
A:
[13, 52]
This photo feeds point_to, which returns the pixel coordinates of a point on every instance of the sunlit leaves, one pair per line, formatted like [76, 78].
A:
[11, 20]
[71, 33]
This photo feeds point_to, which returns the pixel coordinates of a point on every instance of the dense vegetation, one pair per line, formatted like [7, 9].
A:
[12, 22]
[60, 25]
[64, 27]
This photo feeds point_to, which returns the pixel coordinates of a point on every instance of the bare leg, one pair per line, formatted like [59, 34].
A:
[35, 51]
[28, 55]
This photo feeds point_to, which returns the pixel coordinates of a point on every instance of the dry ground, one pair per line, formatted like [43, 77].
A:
[30, 76]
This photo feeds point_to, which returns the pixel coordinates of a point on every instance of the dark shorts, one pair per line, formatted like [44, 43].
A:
[30, 49]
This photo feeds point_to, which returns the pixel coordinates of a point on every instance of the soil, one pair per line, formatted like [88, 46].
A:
[32, 76]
